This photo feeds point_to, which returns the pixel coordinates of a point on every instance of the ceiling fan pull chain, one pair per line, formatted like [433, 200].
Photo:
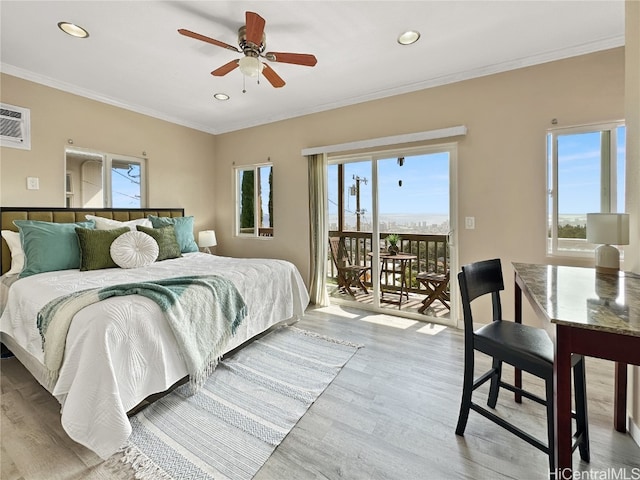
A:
[244, 84]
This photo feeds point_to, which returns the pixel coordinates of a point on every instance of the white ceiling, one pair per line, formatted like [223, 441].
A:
[135, 59]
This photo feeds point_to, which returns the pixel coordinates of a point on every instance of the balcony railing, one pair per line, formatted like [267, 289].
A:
[431, 251]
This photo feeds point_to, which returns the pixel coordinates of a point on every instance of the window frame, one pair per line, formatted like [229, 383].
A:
[260, 232]
[608, 181]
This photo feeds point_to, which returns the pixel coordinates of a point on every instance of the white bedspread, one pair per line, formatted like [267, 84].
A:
[121, 350]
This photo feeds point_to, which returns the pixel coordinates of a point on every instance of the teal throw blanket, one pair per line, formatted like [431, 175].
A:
[203, 312]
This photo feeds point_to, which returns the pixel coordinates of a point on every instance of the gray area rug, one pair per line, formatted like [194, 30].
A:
[231, 426]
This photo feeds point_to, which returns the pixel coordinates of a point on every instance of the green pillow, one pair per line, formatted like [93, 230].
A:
[95, 247]
[49, 246]
[184, 230]
[165, 237]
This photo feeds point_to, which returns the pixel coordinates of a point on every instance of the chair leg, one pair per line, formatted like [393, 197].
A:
[550, 426]
[582, 418]
[494, 389]
[467, 390]
[362, 285]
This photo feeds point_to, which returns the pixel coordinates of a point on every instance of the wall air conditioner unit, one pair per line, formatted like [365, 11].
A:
[15, 127]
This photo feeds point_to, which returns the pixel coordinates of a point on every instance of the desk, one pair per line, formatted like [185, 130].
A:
[593, 315]
[401, 259]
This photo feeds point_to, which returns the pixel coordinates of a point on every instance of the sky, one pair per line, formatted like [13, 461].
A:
[424, 189]
[579, 172]
[125, 190]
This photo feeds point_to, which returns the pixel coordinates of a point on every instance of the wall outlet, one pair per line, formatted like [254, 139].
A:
[33, 183]
[470, 223]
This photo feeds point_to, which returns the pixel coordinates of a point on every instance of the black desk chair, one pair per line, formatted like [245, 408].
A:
[527, 348]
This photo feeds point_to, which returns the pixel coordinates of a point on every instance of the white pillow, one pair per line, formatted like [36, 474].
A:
[108, 224]
[134, 249]
[15, 247]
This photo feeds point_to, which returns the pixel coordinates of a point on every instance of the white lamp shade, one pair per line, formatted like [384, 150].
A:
[250, 66]
[608, 228]
[207, 238]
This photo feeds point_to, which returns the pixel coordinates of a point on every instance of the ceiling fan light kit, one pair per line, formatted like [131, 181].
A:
[250, 66]
[252, 42]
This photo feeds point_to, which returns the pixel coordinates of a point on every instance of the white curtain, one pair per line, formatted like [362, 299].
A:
[319, 232]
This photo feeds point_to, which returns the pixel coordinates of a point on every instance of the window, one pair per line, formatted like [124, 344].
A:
[126, 182]
[585, 175]
[254, 201]
[96, 180]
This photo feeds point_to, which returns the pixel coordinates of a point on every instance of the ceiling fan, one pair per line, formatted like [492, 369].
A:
[252, 42]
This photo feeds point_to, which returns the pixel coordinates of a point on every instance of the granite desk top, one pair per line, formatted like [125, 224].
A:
[578, 297]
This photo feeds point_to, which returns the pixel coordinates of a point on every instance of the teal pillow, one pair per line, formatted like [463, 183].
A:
[184, 230]
[49, 246]
[95, 247]
[165, 237]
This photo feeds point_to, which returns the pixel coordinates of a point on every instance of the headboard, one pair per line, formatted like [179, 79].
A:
[69, 215]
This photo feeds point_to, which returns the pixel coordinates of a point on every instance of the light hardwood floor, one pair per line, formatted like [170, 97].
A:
[390, 414]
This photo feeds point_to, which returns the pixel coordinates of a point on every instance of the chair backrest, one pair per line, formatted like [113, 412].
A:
[338, 252]
[477, 279]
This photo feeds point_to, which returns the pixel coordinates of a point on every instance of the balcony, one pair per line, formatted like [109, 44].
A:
[432, 255]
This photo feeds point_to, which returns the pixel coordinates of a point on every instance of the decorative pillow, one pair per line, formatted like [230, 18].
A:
[184, 230]
[15, 247]
[108, 224]
[49, 246]
[95, 245]
[134, 249]
[165, 237]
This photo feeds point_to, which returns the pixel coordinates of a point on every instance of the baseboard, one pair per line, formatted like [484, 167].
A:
[634, 431]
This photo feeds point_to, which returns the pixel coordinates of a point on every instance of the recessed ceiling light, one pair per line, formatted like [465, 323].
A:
[221, 96]
[73, 30]
[408, 37]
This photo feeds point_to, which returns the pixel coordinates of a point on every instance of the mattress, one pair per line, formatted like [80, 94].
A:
[121, 350]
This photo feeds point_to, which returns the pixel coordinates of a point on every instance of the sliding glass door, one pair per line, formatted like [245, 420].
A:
[392, 212]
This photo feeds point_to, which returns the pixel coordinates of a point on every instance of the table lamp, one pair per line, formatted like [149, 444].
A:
[206, 239]
[608, 229]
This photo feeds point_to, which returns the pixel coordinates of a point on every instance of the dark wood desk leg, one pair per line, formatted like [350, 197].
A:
[562, 401]
[620, 398]
[518, 319]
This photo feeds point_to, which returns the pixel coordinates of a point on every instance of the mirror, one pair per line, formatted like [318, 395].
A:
[102, 180]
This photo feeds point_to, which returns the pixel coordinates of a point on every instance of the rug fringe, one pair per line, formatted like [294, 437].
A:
[325, 337]
[143, 466]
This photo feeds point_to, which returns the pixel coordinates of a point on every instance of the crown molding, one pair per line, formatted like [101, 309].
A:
[98, 97]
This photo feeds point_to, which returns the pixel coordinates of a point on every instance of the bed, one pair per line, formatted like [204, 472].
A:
[120, 351]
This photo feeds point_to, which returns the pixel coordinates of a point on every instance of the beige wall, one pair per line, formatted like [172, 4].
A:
[632, 117]
[501, 161]
[179, 160]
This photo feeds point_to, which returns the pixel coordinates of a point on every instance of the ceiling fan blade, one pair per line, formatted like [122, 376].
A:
[254, 28]
[272, 76]
[295, 58]
[213, 41]
[226, 68]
